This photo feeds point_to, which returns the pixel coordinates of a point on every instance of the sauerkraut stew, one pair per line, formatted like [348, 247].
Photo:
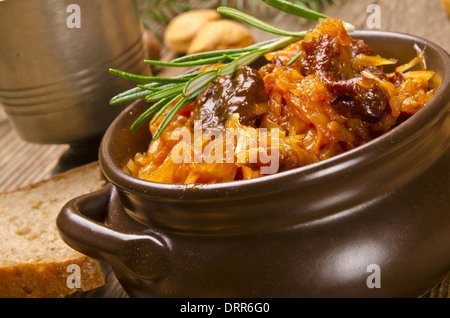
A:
[312, 100]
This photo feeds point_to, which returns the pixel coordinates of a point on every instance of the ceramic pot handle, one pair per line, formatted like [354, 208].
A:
[80, 224]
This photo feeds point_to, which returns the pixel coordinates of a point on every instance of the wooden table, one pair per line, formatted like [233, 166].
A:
[23, 163]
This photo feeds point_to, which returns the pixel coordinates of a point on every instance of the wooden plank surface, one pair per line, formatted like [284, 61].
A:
[23, 163]
[423, 18]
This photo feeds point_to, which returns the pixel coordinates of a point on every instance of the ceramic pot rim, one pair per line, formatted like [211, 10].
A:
[406, 132]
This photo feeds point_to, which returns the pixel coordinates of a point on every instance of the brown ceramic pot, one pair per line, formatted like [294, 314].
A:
[373, 222]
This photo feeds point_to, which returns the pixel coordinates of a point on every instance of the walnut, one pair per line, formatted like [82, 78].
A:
[220, 35]
[184, 27]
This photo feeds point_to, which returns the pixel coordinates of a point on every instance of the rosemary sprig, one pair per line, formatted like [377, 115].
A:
[169, 95]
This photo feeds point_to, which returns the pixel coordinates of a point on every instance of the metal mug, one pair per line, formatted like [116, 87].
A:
[55, 56]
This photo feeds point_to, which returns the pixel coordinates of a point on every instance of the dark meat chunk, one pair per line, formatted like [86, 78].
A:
[331, 61]
[241, 93]
[353, 101]
[397, 79]
[360, 47]
[325, 57]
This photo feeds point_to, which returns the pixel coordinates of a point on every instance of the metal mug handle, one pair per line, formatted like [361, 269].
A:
[81, 225]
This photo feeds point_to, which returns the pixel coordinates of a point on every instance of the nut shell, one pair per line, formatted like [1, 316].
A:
[220, 35]
[184, 27]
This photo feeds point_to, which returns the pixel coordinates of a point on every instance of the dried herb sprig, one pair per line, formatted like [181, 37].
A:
[169, 95]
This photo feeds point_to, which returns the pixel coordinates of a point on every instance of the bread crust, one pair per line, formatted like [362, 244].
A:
[49, 280]
[34, 260]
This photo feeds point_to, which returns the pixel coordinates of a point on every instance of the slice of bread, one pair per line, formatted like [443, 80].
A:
[34, 260]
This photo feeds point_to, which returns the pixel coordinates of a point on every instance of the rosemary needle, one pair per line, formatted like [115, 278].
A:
[255, 22]
[149, 113]
[295, 9]
[141, 91]
[295, 58]
[184, 101]
[146, 79]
